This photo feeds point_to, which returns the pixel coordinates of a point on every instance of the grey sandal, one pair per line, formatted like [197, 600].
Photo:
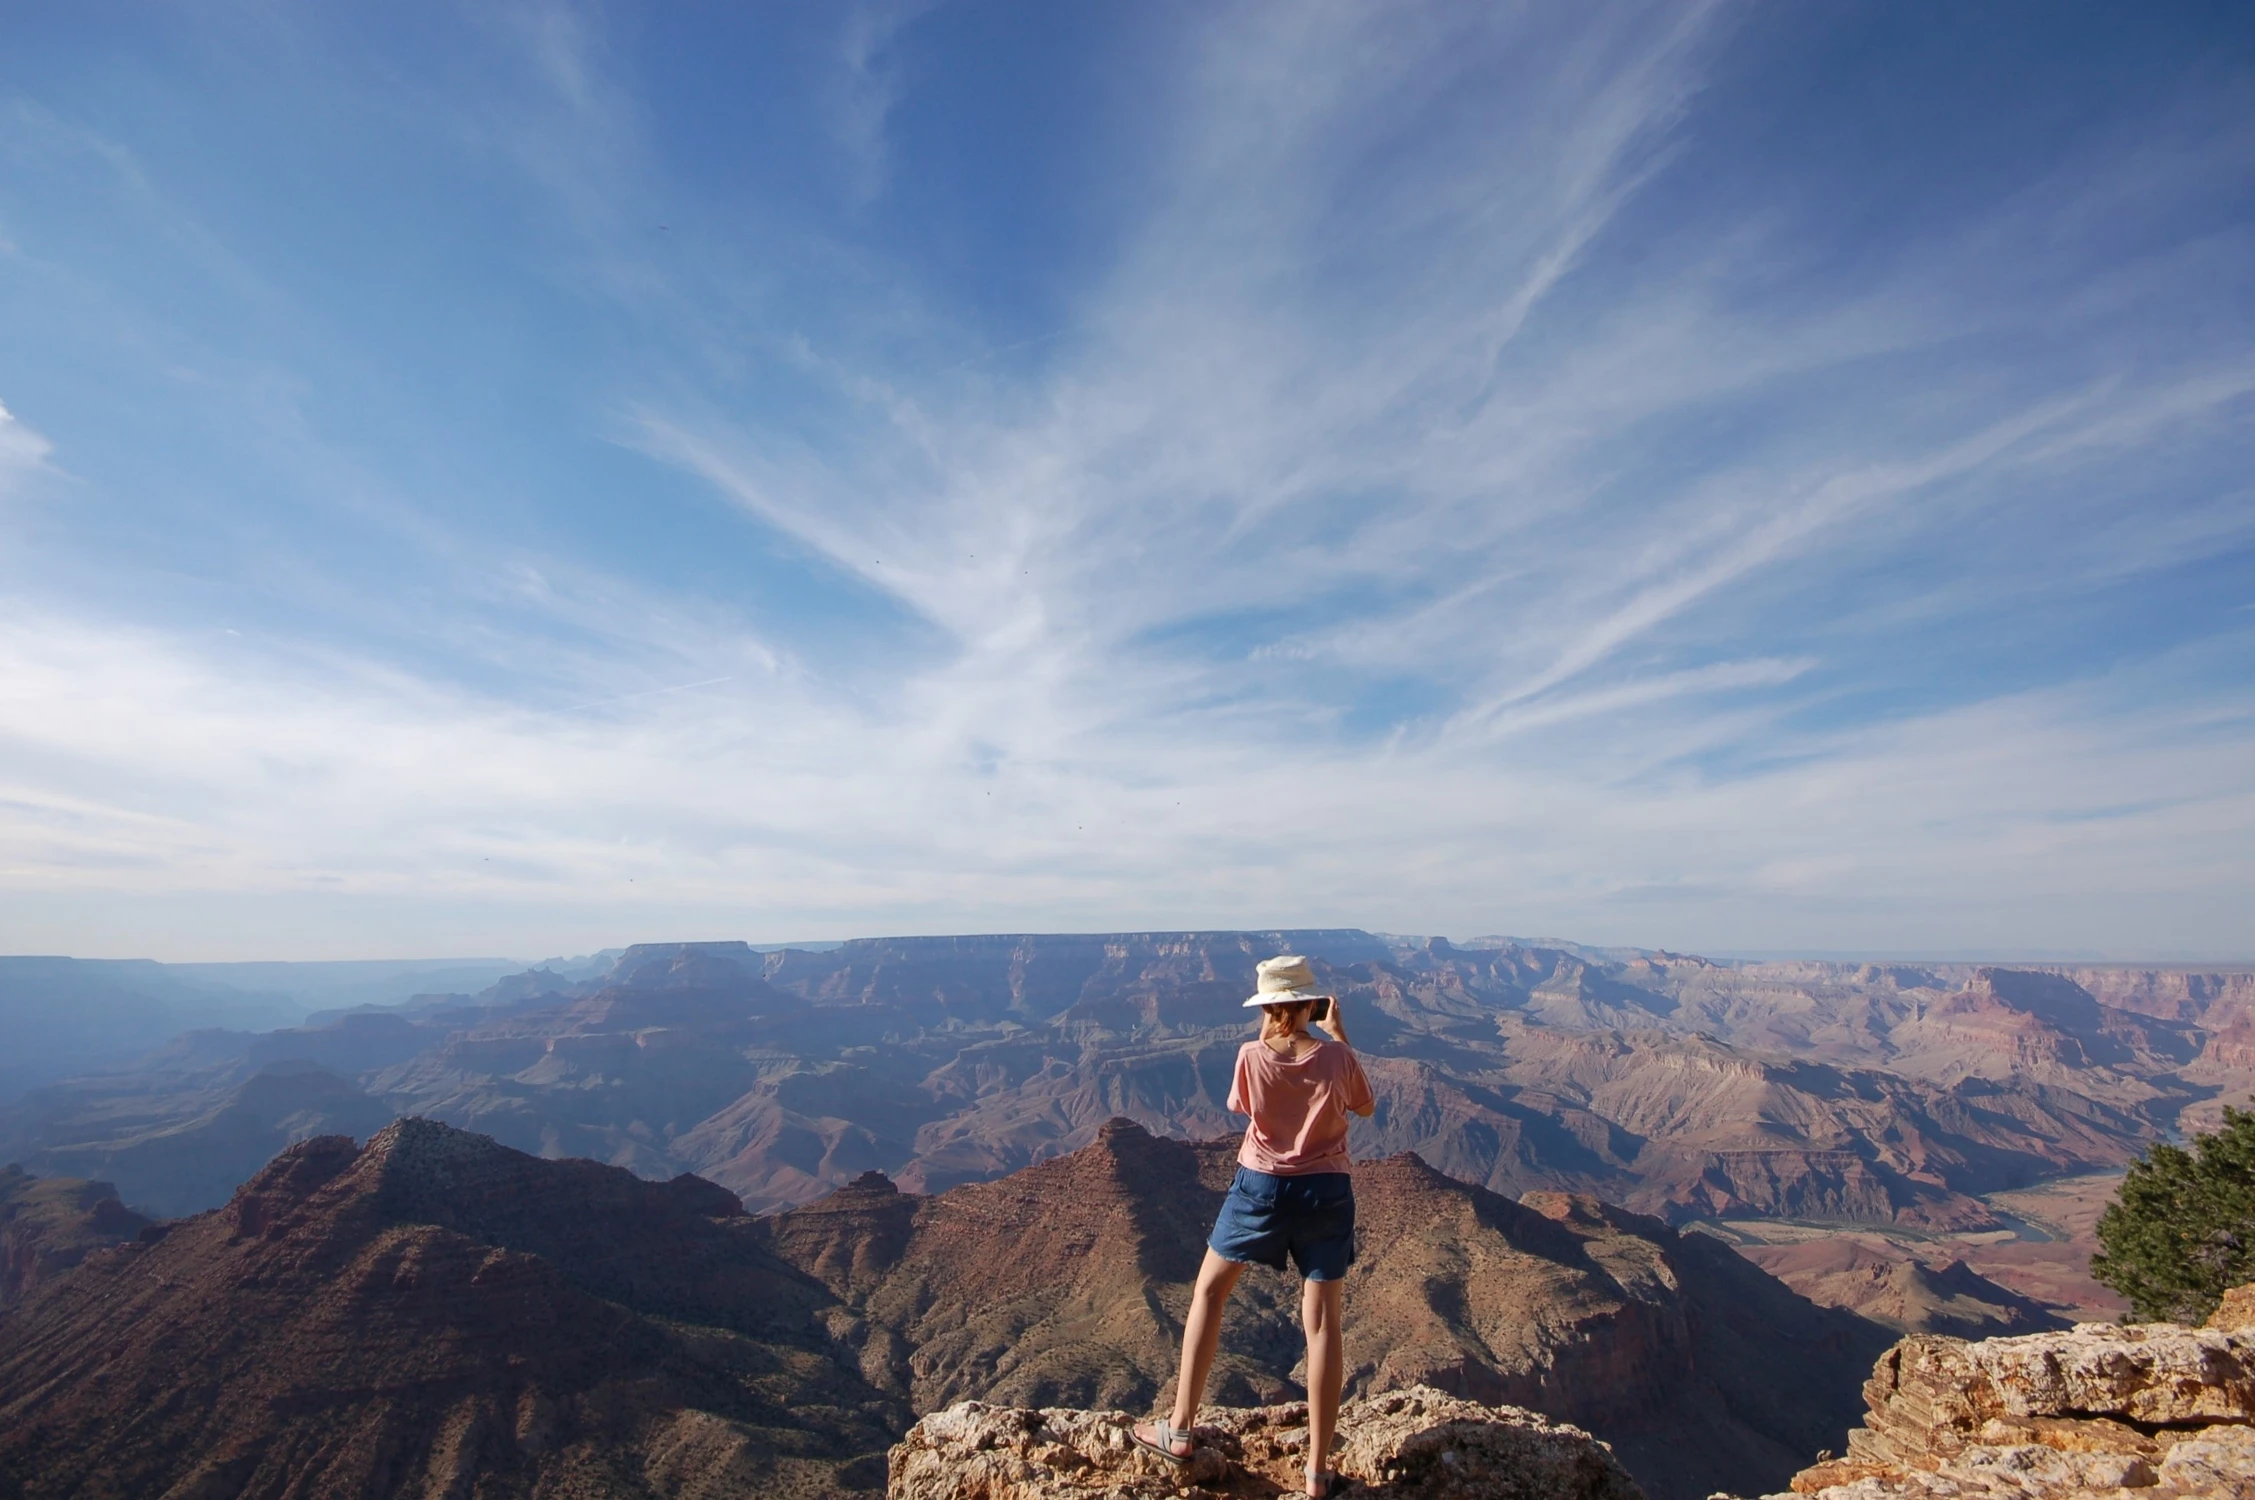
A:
[1163, 1437]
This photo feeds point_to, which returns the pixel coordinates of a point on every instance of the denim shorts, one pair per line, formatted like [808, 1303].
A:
[1312, 1217]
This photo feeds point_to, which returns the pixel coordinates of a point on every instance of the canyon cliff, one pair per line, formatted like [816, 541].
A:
[436, 1314]
[2099, 1412]
[49, 1224]
[437, 1310]
[1065, 1284]
[1867, 1094]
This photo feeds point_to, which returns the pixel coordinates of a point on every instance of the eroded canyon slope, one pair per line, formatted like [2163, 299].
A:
[1854, 1094]
[49, 1224]
[1904, 1292]
[1064, 1284]
[436, 1314]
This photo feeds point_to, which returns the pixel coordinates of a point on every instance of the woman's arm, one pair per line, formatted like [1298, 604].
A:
[1334, 1024]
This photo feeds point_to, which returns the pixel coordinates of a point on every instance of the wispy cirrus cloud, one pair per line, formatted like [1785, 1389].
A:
[866, 87]
[21, 449]
[1465, 493]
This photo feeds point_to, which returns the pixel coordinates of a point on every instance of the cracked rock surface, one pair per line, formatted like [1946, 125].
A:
[1416, 1442]
[2152, 1411]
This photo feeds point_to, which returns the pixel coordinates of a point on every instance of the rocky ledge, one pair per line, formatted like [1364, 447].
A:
[2152, 1411]
[1416, 1442]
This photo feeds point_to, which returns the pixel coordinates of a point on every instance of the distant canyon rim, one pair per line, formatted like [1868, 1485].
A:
[1929, 1143]
[694, 1214]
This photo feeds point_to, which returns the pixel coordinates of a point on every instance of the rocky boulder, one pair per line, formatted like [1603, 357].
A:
[1417, 1442]
[2155, 1410]
[2236, 1310]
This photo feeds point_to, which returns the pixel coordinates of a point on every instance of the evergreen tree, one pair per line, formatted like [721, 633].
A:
[2181, 1231]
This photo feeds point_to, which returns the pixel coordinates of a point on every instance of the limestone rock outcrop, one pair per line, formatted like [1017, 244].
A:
[1416, 1442]
[2104, 1410]
[2237, 1310]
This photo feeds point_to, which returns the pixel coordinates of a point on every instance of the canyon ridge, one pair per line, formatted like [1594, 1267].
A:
[1957, 1124]
[703, 1217]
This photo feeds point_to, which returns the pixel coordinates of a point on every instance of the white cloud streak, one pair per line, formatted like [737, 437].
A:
[1340, 416]
[279, 781]
[867, 87]
[22, 451]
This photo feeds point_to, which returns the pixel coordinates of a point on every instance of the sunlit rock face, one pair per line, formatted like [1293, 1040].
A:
[1412, 1443]
[2099, 1412]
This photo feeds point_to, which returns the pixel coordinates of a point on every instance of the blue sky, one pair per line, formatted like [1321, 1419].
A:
[523, 478]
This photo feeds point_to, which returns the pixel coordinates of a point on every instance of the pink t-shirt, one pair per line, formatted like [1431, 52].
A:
[1299, 1109]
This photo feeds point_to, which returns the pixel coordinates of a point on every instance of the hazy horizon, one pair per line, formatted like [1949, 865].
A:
[1722, 477]
[589, 953]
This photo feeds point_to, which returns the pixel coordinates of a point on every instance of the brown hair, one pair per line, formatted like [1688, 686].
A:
[1283, 1020]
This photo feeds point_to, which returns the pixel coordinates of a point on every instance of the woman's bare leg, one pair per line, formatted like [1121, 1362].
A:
[1321, 1303]
[1201, 1334]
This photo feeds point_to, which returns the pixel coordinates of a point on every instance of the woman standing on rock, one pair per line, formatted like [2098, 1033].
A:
[1292, 1197]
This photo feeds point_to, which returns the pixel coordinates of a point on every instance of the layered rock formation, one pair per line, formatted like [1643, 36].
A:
[2218, 1014]
[1905, 1293]
[2102, 1410]
[1065, 1285]
[49, 1224]
[1687, 1127]
[1416, 1443]
[438, 1315]
[439, 1311]
[1683, 1088]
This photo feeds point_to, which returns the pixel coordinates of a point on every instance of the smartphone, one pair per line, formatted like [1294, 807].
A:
[1320, 1011]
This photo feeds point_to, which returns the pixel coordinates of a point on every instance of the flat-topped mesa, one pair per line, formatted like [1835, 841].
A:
[1416, 1442]
[664, 964]
[2155, 1408]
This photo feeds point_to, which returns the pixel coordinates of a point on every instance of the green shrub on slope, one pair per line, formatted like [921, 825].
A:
[2182, 1229]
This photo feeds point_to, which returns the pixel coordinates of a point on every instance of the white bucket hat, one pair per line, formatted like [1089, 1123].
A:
[1285, 980]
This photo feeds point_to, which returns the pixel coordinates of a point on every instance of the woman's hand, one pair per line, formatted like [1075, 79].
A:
[1333, 1023]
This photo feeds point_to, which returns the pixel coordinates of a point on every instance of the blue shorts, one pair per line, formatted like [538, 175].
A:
[1311, 1217]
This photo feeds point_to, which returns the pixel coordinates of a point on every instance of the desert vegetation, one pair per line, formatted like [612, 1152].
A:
[2182, 1230]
